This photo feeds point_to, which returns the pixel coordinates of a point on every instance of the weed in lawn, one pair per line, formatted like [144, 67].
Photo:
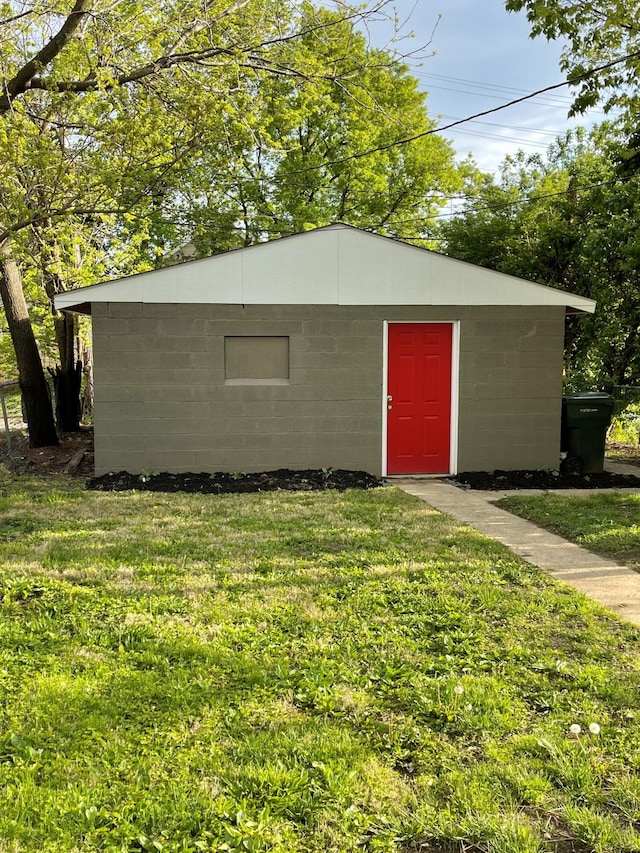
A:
[300, 673]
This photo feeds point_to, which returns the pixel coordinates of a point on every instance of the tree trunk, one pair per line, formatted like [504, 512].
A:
[67, 378]
[35, 393]
[67, 387]
[86, 401]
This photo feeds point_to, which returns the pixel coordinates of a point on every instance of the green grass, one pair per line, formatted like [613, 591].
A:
[607, 523]
[300, 673]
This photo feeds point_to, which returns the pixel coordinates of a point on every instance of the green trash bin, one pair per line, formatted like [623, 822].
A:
[585, 419]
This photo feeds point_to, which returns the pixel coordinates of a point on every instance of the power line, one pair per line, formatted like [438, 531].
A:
[535, 143]
[544, 131]
[432, 131]
[526, 199]
[458, 198]
[499, 87]
[559, 101]
[494, 97]
[399, 142]
[405, 221]
[457, 123]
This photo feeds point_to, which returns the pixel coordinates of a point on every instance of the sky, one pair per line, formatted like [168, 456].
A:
[484, 57]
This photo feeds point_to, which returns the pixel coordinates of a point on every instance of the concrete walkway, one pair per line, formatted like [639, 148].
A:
[612, 584]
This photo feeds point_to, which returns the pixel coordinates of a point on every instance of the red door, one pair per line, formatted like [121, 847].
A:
[419, 398]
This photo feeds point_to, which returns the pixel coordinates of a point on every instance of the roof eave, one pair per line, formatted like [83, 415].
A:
[76, 308]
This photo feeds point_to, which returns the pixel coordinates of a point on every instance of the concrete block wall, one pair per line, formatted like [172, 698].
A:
[510, 388]
[162, 403]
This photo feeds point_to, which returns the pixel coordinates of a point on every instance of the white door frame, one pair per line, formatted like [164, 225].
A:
[455, 387]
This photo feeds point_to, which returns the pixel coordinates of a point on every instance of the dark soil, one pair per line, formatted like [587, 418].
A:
[219, 483]
[499, 480]
[73, 456]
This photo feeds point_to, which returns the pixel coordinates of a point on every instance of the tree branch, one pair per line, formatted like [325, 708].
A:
[68, 211]
[200, 25]
[22, 80]
[16, 17]
[254, 55]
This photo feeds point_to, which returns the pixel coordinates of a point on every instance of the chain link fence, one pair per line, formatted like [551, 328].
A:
[11, 403]
[14, 420]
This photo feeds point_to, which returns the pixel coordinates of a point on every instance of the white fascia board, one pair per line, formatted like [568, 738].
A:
[336, 265]
[375, 270]
[287, 271]
[216, 280]
[469, 284]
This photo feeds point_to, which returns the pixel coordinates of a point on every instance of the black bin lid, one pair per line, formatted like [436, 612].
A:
[589, 397]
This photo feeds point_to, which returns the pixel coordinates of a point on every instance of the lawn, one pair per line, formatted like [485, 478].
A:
[300, 673]
[607, 523]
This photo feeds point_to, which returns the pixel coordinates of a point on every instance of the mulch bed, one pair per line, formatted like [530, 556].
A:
[283, 479]
[499, 480]
[74, 455]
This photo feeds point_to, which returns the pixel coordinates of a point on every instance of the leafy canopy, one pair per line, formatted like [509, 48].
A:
[596, 33]
[127, 128]
[299, 156]
[569, 221]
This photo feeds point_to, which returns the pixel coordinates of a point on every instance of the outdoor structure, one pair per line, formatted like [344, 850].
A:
[335, 348]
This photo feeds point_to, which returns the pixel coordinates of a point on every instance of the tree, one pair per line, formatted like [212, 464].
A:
[568, 221]
[596, 33]
[299, 158]
[599, 34]
[102, 108]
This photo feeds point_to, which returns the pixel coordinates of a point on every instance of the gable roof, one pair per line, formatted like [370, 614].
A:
[334, 265]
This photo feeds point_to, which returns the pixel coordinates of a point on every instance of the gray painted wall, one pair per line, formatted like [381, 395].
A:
[161, 402]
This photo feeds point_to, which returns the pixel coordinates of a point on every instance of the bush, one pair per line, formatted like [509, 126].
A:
[625, 425]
